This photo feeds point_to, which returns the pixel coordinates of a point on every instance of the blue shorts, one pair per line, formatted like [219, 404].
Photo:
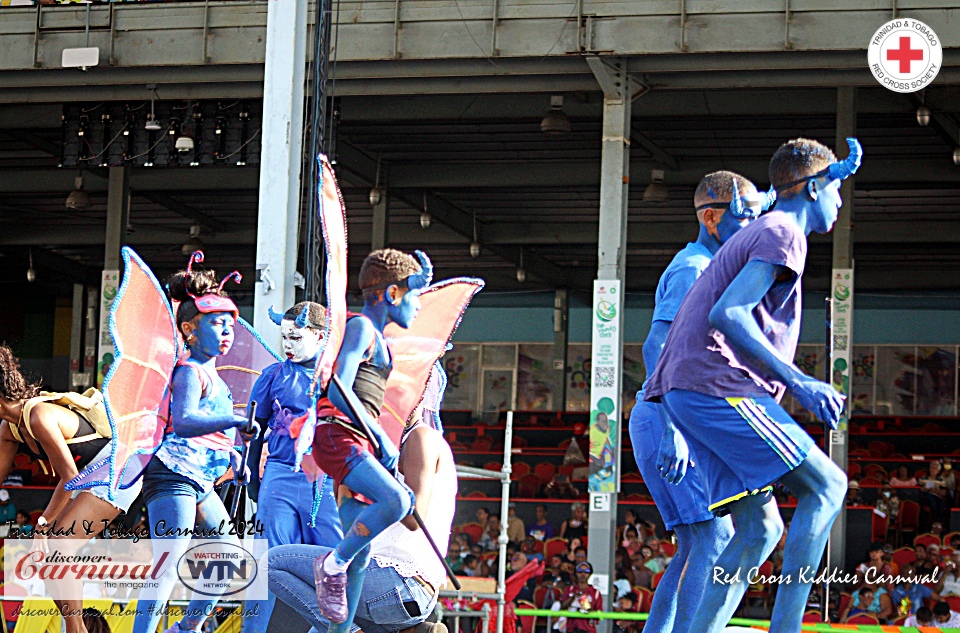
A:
[740, 445]
[679, 504]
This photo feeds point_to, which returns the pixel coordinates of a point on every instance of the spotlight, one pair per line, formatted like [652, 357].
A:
[184, 144]
[152, 124]
[31, 273]
[375, 195]
[956, 156]
[78, 199]
[555, 121]
[923, 115]
[425, 220]
[474, 249]
[656, 191]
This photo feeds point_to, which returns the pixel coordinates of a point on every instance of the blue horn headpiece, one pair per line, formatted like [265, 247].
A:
[736, 204]
[849, 166]
[276, 317]
[422, 279]
[768, 199]
[303, 319]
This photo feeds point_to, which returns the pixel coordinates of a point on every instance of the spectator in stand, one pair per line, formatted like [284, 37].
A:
[853, 494]
[529, 547]
[909, 595]
[874, 567]
[515, 530]
[8, 512]
[583, 597]
[453, 557]
[580, 555]
[935, 490]
[471, 566]
[888, 558]
[888, 502]
[574, 545]
[920, 562]
[22, 523]
[871, 600]
[949, 583]
[658, 555]
[949, 477]
[483, 515]
[954, 542]
[944, 617]
[541, 529]
[626, 604]
[518, 561]
[651, 563]
[923, 617]
[933, 555]
[936, 528]
[560, 488]
[490, 539]
[640, 575]
[556, 570]
[463, 540]
[576, 525]
[903, 478]
[631, 540]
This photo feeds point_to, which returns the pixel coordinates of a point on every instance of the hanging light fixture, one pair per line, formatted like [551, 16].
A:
[656, 191]
[78, 199]
[521, 271]
[31, 273]
[475, 244]
[956, 156]
[923, 112]
[194, 243]
[376, 194]
[556, 121]
[425, 217]
[184, 143]
[152, 124]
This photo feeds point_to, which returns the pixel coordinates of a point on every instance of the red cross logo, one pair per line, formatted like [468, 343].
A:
[905, 55]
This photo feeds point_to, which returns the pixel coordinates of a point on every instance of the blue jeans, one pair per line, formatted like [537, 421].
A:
[287, 502]
[387, 604]
[180, 503]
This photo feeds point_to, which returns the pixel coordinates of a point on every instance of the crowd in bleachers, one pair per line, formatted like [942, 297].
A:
[911, 499]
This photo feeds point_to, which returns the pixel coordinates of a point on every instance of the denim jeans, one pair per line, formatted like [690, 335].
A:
[179, 503]
[386, 601]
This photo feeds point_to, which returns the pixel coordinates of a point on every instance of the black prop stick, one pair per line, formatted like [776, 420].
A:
[378, 453]
[244, 453]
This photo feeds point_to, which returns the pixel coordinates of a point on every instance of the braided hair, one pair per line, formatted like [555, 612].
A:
[13, 386]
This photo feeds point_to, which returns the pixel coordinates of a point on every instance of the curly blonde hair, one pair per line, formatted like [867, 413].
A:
[13, 385]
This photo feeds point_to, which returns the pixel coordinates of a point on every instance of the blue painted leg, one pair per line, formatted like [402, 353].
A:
[709, 539]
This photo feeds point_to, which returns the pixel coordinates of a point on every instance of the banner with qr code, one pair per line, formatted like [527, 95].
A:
[841, 331]
[605, 380]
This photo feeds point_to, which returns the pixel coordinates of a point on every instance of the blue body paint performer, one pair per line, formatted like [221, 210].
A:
[196, 450]
[725, 365]
[391, 282]
[282, 392]
[725, 202]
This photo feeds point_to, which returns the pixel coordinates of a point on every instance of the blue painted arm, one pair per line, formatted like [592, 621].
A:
[188, 420]
[732, 317]
[673, 455]
[358, 336]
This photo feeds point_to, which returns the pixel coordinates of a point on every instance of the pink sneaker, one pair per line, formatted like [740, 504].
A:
[331, 591]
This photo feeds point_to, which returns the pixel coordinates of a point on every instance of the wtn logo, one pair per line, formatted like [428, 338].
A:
[224, 569]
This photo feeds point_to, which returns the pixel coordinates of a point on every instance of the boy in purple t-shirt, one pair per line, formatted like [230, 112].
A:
[725, 365]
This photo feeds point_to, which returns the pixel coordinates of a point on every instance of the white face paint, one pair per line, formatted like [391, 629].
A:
[300, 345]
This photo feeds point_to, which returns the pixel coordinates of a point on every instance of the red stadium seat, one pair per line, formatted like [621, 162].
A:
[926, 540]
[475, 530]
[908, 519]
[554, 546]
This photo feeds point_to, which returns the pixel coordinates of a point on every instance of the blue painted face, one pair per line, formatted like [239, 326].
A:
[214, 334]
[729, 225]
[405, 310]
[825, 193]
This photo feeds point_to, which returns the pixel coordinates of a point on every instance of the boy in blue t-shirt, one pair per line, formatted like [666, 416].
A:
[725, 202]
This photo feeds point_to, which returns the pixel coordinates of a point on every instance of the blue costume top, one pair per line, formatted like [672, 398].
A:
[196, 458]
[283, 387]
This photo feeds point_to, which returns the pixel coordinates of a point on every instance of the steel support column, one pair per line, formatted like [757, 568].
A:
[842, 310]
[612, 245]
[118, 216]
[561, 328]
[278, 219]
[380, 236]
